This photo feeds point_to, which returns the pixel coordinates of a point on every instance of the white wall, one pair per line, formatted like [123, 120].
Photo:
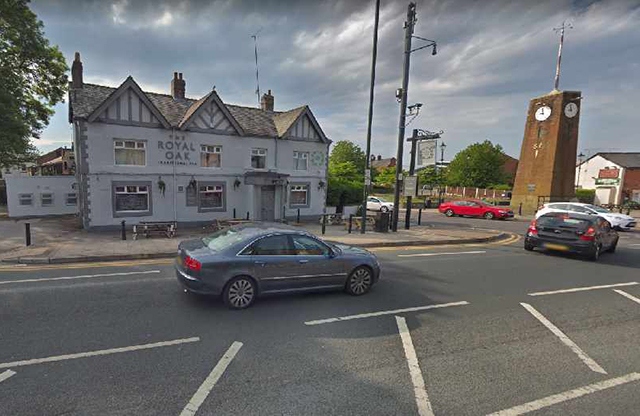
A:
[587, 172]
[59, 186]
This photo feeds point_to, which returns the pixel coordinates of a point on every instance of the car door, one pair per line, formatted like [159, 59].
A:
[607, 235]
[373, 204]
[317, 265]
[460, 207]
[474, 209]
[274, 261]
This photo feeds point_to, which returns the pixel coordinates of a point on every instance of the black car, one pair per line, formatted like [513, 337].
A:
[583, 234]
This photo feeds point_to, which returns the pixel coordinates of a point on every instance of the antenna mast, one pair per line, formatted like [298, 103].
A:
[255, 48]
[561, 29]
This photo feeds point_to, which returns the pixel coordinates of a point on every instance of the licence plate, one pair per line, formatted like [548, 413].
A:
[558, 247]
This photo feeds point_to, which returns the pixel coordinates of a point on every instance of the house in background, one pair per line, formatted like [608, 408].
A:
[143, 156]
[615, 176]
[378, 163]
[60, 161]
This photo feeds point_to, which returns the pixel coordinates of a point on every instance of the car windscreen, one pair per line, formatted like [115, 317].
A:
[560, 221]
[222, 240]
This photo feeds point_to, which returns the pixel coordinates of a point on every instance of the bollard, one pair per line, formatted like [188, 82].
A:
[419, 216]
[298, 217]
[234, 213]
[27, 233]
[324, 223]
[520, 209]
[283, 214]
[350, 222]
[124, 230]
[247, 215]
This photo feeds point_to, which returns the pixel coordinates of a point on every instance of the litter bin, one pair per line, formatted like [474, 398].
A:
[382, 222]
[427, 203]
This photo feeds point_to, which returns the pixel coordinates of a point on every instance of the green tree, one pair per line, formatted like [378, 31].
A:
[346, 151]
[33, 75]
[479, 165]
[346, 174]
[385, 177]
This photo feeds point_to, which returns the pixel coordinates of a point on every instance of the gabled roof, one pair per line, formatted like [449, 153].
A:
[91, 99]
[624, 159]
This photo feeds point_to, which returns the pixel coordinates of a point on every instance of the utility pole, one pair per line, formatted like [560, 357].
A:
[412, 168]
[367, 166]
[408, 32]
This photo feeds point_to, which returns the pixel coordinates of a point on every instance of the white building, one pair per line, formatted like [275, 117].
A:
[614, 176]
[143, 156]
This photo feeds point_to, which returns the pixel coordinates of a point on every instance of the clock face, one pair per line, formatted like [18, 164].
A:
[570, 110]
[543, 113]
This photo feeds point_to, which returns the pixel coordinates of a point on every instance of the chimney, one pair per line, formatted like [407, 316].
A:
[266, 103]
[178, 86]
[76, 72]
[379, 157]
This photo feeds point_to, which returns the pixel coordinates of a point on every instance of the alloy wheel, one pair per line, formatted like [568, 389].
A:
[240, 293]
[360, 281]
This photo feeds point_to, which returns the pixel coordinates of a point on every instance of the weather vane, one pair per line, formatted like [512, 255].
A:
[561, 29]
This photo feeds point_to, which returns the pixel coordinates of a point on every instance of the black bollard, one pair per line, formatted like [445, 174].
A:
[247, 215]
[234, 213]
[298, 217]
[419, 216]
[324, 223]
[350, 222]
[124, 230]
[520, 209]
[27, 233]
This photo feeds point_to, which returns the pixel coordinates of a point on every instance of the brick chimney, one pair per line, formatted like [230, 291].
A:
[267, 102]
[178, 86]
[76, 72]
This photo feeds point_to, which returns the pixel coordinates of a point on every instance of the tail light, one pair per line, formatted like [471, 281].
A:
[589, 235]
[192, 264]
[532, 228]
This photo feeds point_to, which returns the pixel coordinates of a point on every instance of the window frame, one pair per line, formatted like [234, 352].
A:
[66, 199]
[255, 151]
[216, 150]
[21, 197]
[297, 157]
[222, 185]
[124, 214]
[327, 249]
[306, 185]
[248, 250]
[136, 141]
[42, 197]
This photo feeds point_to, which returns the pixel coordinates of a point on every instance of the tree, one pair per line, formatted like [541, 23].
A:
[479, 165]
[385, 177]
[346, 151]
[346, 174]
[33, 75]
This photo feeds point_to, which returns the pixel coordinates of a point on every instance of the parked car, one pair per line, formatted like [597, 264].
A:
[375, 203]
[472, 208]
[243, 262]
[585, 234]
[617, 221]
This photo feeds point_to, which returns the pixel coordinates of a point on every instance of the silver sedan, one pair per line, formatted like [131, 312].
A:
[243, 262]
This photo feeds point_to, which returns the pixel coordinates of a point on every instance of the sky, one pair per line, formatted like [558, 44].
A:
[493, 57]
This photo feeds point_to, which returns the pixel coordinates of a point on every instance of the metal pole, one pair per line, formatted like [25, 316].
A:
[234, 213]
[124, 230]
[408, 32]
[440, 198]
[367, 165]
[419, 216]
[412, 168]
[556, 82]
[298, 217]
[247, 215]
[27, 234]
[350, 222]
[324, 223]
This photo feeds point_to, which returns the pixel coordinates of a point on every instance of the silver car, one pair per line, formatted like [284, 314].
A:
[243, 262]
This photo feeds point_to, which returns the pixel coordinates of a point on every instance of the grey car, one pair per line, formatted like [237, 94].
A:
[242, 262]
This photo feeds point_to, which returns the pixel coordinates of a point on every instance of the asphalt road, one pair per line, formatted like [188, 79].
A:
[122, 339]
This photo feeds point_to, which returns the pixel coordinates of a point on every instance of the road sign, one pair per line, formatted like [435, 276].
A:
[410, 187]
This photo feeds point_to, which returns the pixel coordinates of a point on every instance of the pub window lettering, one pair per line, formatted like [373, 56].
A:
[299, 195]
[132, 198]
[300, 160]
[210, 156]
[258, 158]
[211, 197]
[130, 152]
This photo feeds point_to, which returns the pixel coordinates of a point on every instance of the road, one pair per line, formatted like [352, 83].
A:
[460, 330]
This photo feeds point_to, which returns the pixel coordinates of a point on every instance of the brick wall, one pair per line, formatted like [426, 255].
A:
[631, 181]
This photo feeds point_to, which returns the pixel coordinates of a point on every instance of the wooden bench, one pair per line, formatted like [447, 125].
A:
[148, 228]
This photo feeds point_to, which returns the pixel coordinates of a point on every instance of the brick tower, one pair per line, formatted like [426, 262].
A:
[546, 171]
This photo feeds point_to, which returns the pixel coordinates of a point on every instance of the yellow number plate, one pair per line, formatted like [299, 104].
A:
[558, 247]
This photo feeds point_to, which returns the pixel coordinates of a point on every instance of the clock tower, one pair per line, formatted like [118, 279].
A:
[546, 170]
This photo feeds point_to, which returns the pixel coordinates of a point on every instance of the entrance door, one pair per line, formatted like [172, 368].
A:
[604, 196]
[268, 203]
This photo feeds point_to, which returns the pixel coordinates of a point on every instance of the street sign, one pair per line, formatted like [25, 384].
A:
[367, 174]
[410, 187]
[427, 152]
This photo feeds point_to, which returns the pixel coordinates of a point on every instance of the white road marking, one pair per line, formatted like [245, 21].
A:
[6, 375]
[381, 313]
[442, 254]
[419, 389]
[99, 352]
[86, 276]
[582, 289]
[565, 339]
[626, 295]
[209, 383]
[567, 395]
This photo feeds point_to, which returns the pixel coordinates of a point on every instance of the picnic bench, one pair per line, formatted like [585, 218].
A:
[148, 228]
[357, 222]
[217, 225]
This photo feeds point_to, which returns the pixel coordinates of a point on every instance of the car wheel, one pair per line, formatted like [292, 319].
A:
[449, 213]
[595, 255]
[239, 293]
[489, 215]
[528, 246]
[359, 281]
[384, 209]
[613, 247]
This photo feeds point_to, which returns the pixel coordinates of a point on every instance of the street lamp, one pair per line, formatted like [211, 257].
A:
[442, 147]
[580, 158]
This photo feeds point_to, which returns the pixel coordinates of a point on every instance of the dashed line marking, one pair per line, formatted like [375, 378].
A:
[627, 295]
[6, 375]
[582, 289]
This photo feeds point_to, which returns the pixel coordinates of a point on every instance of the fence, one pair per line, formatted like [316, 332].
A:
[477, 193]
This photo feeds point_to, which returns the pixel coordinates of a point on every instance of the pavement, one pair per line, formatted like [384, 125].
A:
[458, 330]
[61, 240]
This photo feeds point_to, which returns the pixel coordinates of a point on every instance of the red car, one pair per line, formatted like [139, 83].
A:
[471, 208]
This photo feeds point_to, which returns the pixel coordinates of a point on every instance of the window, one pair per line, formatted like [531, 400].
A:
[258, 158]
[25, 199]
[307, 246]
[210, 197]
[130, 152]
[46, 199]
[131, 198]
[71, 199]
[275, 245]
[299, 195]
[300, 160]
[210, 156]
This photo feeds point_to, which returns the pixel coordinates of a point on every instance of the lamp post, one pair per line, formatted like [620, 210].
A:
[580, 158]
[402, 94]
[442, 147]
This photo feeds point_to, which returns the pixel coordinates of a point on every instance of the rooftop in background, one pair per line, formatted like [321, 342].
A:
[624, 159]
